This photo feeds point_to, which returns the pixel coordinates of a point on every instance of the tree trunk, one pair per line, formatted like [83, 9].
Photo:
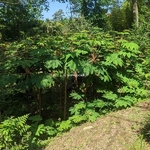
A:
[84, 10]
[135, 12]
[39, 100]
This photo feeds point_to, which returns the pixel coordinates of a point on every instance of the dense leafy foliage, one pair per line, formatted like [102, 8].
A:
[66, 71]
[20, 18]
[16, 133]
[106, 66]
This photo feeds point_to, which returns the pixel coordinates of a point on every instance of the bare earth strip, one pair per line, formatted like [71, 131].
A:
[116, 131]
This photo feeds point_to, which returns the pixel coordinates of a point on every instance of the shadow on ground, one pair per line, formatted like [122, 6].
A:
[145, 131]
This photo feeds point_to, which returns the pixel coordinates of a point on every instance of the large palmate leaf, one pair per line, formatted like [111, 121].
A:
[80, 52]
[78, 108]
[124, 101]
[131, 46]
[8, 79]
[53, 64]
[110, 96]
[78, 118]
[88, 69]
[125, 54]
[76, 96]
[103, 73]
[114, 58]
[70, 55]
[72, 65]
[42, 80]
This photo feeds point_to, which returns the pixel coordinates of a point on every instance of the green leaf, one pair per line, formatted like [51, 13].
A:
[78, 108]
[99, 103]
[53, 64]
[76, 96]
[114, 58]
[131, 46]
[72, 65]
[51, 131]
[124, 102]
[91, 115]
[78, 118]
[64, 126]
[129, 55]
[110, 96]
[36, 118]
[78, 52]
[91, 105]
[89, 69]
[8, 79]
[142, 92]
[69, 55]
[92, 118]
[42, 80]
[97, 43]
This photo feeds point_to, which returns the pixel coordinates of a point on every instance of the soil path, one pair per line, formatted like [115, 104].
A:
[116, 131]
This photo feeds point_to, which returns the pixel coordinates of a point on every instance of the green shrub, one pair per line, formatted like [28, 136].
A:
[16, 134]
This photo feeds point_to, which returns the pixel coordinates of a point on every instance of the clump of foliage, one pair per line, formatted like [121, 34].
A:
[16, 133]
[110, 66]
[140, 35]
[20, 18]
[123, 12]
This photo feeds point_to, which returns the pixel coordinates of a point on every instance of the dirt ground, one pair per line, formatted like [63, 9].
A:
[119, 130]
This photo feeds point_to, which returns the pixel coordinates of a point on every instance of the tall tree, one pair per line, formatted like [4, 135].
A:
[121, 15]
[92, 9]
[59, 15]
[19, 16]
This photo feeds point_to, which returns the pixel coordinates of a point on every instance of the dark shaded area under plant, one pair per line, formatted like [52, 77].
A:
[145, 131]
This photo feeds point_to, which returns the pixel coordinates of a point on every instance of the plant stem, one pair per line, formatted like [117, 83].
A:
[65, 100]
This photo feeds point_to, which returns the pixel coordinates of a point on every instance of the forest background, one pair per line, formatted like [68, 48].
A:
[58, 73]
